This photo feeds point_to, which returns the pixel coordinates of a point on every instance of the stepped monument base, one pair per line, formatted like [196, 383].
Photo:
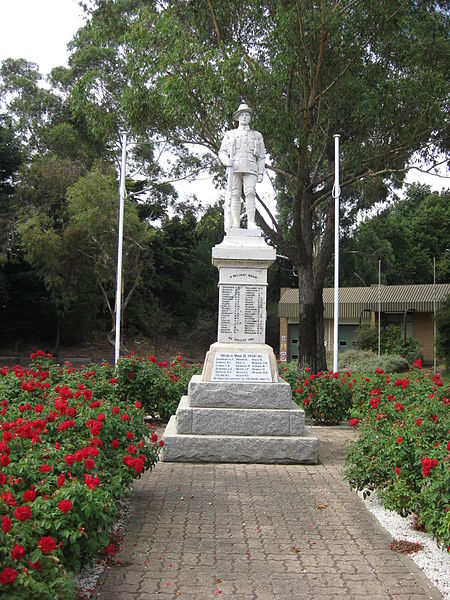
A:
[238, 410]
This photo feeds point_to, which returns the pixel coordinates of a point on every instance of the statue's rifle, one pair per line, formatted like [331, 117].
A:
[227, 212]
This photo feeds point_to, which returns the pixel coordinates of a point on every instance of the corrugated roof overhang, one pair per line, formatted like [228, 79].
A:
[395, 298]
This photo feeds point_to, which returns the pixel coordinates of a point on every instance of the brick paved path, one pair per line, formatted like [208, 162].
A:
[257, 532]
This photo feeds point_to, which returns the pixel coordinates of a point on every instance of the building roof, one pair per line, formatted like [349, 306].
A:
[352, 300]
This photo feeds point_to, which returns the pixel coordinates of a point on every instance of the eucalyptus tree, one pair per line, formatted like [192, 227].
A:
[375, 72]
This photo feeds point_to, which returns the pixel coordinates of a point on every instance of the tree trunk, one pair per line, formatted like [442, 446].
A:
[320, 341]
[307, 324]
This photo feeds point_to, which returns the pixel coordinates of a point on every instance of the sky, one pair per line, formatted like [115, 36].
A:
[39, 31]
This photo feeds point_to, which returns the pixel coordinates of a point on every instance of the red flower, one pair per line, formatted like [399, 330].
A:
[109, 549]
[7, 576]
[427, 465]
[124, 417]
[129, 435]
[418, 364]
[6, 524]
[353, 422]
[17, 552]
[61, 479]
[89, 463]
[35, 565]
[45, 468]
[399, 406]
[91, 482]
[161, 443]
[115, 443]
[4, 460]
[154, 437]
[47, 544]
[65, 505]
[69, 459]
[399, 439]
[29, 495]
[398, 470]
[23, 513]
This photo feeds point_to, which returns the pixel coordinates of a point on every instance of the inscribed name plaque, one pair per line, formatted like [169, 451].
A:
[229, 366]
[242, 313]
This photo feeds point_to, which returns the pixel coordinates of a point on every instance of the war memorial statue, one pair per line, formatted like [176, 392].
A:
[243, 152]
[239, 410]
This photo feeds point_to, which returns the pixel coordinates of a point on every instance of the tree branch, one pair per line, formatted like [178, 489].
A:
[215, 21]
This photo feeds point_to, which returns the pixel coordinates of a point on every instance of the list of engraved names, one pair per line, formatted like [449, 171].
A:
[241, 367]
[242, 313]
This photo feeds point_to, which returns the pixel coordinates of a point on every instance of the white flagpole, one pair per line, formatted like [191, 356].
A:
[336, 195]
[379, 307]
[119, 248]
[434, 316]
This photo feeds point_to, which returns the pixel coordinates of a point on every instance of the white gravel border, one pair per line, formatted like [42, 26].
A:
[434, 561]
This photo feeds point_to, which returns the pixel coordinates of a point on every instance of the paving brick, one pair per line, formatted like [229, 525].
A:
[257, 530]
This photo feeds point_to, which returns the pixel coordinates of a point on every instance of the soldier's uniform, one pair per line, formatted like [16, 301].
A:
[247, 147]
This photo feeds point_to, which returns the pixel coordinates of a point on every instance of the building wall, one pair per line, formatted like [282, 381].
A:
[284, 338]
[423, 331]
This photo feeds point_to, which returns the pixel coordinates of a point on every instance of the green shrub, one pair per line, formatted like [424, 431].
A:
[289, 372]
[392, 342]
[325, 397]
[158, 385]
[402, 450]
[69, 452]
[368, 362]
[443, 331]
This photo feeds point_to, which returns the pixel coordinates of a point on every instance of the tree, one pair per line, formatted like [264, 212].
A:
[443, 331]
[10, 161]
[91, 233]
[406, 237]
[372, 71]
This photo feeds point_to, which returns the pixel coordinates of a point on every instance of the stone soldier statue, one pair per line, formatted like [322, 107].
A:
[243, 152]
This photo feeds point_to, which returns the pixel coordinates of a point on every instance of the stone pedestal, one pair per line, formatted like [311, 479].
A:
[238, 410]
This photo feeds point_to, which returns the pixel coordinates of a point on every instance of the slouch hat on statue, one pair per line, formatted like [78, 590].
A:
[243, 107]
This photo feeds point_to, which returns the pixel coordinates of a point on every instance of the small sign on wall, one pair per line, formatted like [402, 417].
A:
[283, 356]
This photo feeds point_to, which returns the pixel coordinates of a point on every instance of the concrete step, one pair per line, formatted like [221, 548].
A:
[238, 448]
[227, 394]
[239, 421]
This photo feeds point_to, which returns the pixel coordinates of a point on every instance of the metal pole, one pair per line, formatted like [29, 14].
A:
[119, 249]
[379, 307]
[434, 316]
[336, 194]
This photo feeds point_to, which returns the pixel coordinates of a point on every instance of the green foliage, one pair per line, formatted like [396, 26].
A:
[391, 342]
[402, 449]
[298, 70]
[69, 452]
[443, 331]
[366, 361]
[325, 397]
[406, 235]
[158, 385]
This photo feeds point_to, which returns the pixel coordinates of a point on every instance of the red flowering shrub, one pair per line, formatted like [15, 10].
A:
[155, 385]
[324, 396]
[402, 450]
[63, 434]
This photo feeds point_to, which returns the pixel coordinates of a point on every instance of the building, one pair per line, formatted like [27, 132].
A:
[411, 306]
